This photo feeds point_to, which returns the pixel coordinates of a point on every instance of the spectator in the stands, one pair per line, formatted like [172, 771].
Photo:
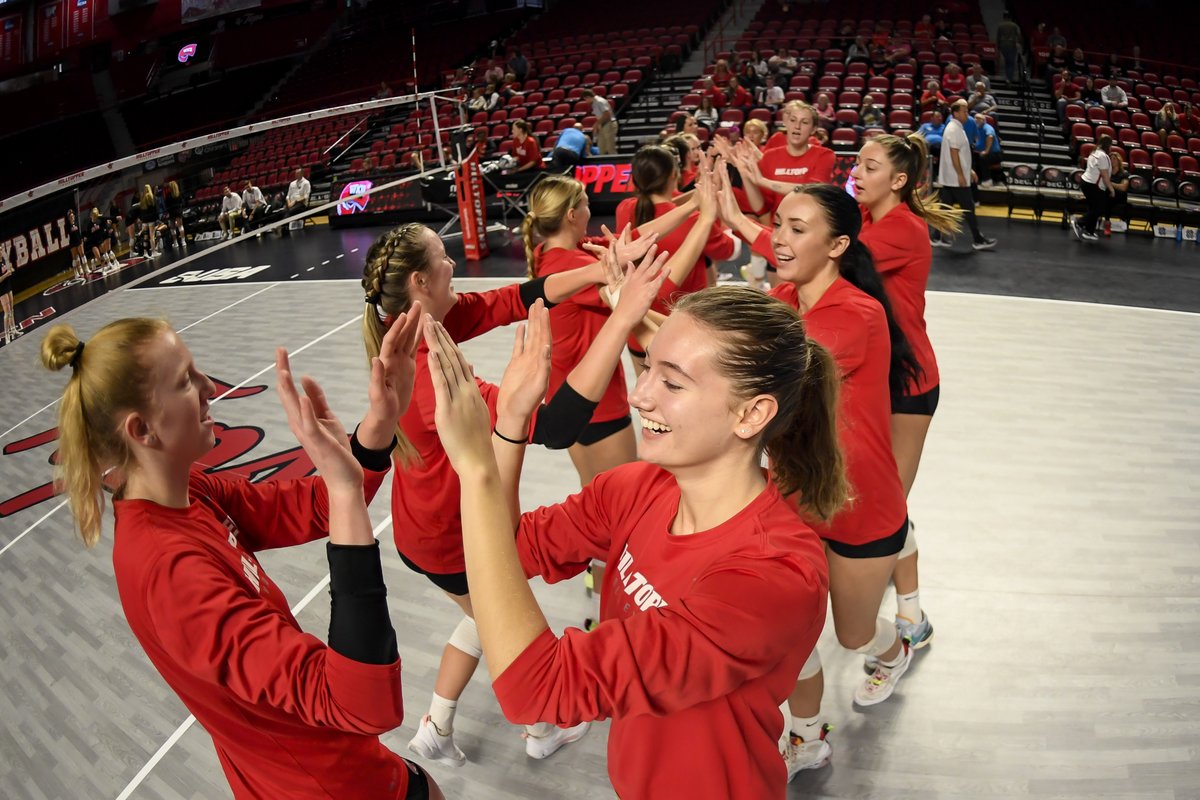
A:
[572, 147]
[1088, 93]
[605, 128]
[519, 65]
[1137, 58]
[1077, 62]
[254, 205]
[706, 114]
[761, 69]
[871, 115]
[1188, 123]
[755, 132]
[881, 63]
[1057, 61]
[826, 113]
[714, 93]
[510, 87]
[298, 192]
[721, 73]
[684, 123]
[771, 96]
[525, 147]
[977, 75]
[494, 74]
[931, 131]
[981, 101]
[1112, 69]
[924, 26]
[748, 78]
[932, 97]
[231, 212]
[987, 150]
[1056, 39]
[953, 80]
[858, 50]
[1166, 121]
[1065, 93]
[738, 96]
[782, 64]
[478, 101]
[1113, 96]
[1037, 39]
[1008, 43]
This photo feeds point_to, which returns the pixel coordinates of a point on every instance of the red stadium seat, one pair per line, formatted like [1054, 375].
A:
[849, 100]
[902, 100]
[1164, 165]
[900, 120]
[1176, 145]
[1139, 161]
[1151, 142]
[1189, 168]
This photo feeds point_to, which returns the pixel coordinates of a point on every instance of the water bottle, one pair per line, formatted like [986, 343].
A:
[1107, 226]
[1179, 232]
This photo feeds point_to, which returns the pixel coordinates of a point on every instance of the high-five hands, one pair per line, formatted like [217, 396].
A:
[316, 428]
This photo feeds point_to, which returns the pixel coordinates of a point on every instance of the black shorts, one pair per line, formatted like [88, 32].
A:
[418, 782]
[887, 546]
[921, 404]
[599, 431]
[454, 583]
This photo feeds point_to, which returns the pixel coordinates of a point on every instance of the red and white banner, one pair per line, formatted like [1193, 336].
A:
[472, 210]
[12, 49]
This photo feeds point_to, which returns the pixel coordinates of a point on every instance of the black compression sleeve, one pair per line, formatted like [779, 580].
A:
[374, 460]
[534, 290]
[359, 626]
[561, 421]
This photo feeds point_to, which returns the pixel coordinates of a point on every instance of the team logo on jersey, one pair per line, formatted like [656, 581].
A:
[354, 198]
[636, 584]
[791, 171]
[250, 570]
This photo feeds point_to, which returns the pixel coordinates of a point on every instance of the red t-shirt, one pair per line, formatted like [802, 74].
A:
[528, 152]
[900, 246]
[426, 520]
[815, 166]
[575, 323]
[778, 139]
[954, 84]
[718, 247]
[853, 327]
[288, 716]
[700, 640]
[719, 100]
[741, 98]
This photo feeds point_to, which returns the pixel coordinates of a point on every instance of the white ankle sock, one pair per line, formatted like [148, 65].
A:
[807, 728]
[441, 714]
[897, 661]
[909, 606]
[539, 730]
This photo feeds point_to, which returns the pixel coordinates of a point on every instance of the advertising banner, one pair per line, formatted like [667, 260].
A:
[34, 241]
[11, 50]
[472, 210]
[49, 28]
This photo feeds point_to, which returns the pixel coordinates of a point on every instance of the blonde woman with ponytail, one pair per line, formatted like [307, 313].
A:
[898, 208]
[407, 266]
[289, 715]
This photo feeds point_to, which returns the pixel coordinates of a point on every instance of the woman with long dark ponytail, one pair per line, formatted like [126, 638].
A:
[828, 275]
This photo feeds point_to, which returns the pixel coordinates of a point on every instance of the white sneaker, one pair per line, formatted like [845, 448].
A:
[800, 755]
[882, 683]
[430, 744]
[548, 745]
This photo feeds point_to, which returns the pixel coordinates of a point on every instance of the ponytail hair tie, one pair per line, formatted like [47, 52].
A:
[74, 362]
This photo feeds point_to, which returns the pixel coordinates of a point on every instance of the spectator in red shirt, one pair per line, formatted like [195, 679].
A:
[525, 147]
[715, 93]
[932, 97]
[289, 715]
[738, 96]
[721, 73]
[954, 81]
[1065, 93]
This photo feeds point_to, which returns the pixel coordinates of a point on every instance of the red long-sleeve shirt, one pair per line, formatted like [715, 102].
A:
[719, 247]
[900, 246]
[701, 636]
[777, 164]
[528, 152]
[575, 323]
[853, 327]
[426, 521]
[289, 717]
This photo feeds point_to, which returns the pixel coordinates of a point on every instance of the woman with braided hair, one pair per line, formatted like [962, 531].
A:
[897, 211]
[407, 265]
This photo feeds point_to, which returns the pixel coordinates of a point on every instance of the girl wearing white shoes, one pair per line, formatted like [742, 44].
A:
[897, 213]
[827, 273]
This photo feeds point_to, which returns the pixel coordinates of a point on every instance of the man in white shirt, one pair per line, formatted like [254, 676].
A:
[231, 211]
[956, 176]
[1113, 96]
[253, 208]
[298, 192]
[605, 130]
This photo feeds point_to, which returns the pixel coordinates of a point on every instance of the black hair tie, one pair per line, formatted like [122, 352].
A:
[78, 354]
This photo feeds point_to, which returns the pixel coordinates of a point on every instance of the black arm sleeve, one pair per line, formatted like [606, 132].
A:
[534, 290]
[374, 460]
[359, 626]
[562, 420]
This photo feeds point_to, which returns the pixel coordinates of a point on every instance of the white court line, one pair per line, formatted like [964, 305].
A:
[187, 723]
[1083, 303]
[52, 403]
[21, 536]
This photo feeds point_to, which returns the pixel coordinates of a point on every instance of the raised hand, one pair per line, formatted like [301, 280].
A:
[628, 249]
[316, 428]
[527, 375]
[727, 205]
[462, 418]
[641, 286]
[392, 372]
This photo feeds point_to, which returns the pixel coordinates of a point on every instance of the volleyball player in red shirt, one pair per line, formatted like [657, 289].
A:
[827, 274]
[897, 213]
[406, 265]
[289, 716]
[717, 589]
[525, 147]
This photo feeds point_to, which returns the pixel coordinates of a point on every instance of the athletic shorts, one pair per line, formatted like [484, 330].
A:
[454, 583]
[418, 782]
[887, 546]
[921, 404]
[599, 431]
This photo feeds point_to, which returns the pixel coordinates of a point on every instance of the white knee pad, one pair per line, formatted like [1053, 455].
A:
[812, 666]
[910, 543]
[885, 637]
[466, 638]
[758, 266]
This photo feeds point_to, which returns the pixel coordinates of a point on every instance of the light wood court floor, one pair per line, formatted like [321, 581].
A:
[1057, 511]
